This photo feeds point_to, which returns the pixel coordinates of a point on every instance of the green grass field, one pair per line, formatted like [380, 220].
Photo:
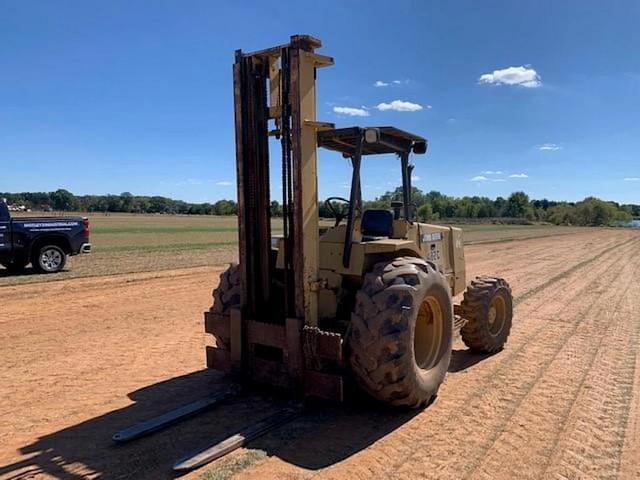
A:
[139, 243]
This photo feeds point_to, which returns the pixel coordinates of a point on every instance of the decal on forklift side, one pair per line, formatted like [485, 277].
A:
[433, 255]
[432, 237]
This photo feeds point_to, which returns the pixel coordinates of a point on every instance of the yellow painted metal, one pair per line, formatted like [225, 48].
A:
[428, 333]
[436, 243]
[308, 182]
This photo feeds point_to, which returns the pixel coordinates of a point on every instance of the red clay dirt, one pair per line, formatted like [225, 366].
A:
[83, 358]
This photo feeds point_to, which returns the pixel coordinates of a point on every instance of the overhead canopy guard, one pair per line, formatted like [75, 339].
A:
[377, 140]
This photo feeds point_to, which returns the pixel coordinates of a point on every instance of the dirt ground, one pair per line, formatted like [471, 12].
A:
[82, 358]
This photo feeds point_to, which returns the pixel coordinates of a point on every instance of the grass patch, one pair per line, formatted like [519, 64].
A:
[128, 243]
[159, 230]
[169, 247]
[232, 466]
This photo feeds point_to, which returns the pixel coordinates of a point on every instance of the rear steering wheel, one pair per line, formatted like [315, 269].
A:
[338, 215]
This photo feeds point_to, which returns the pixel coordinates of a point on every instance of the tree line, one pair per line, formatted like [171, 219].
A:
[63, 200]
[518, 206]
[429, 206]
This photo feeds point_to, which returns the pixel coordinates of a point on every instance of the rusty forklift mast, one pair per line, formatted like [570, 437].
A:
[278, 311]
[264, 335]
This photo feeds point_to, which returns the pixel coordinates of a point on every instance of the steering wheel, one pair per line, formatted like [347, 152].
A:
[339, 215]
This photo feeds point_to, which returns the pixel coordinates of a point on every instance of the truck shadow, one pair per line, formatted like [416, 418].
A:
[22, 273]
[26, 272]
[324, 435]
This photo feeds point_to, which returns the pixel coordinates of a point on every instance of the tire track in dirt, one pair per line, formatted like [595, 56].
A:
[546, 284]
[541, 415]
[485, 414]
[593, 435]
[382, 459]
[539, 263]
[629, 463]
[481, 384]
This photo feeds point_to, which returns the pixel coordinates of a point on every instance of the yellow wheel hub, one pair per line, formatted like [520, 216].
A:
[492, 315]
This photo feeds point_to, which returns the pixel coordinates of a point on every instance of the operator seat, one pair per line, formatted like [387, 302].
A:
[376, 224]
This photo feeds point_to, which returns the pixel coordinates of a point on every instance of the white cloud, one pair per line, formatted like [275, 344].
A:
[492, 172]
[224, 183]
[498, 180]
[415, 178]
[400, 106]
[549, 147]
[523, 76]
[631, 179]
[518, 175]
[190, 181]
[382, 83]
[479, 178]
[350, 111]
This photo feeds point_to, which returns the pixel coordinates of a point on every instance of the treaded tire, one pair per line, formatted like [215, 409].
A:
[49, 259]
[383, 330]
[480, 333]
[227, 294]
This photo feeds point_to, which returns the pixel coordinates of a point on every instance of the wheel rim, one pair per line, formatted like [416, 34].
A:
[497, 315]
[50, 259]
[429, 331]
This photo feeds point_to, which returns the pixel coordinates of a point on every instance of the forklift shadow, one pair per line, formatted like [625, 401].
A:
[323, 435]
[463, 359]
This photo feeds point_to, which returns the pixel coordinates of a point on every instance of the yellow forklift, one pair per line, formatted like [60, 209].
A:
[366, 301]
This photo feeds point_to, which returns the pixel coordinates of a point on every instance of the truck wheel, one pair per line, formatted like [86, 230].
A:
[49, 259]
[227, 294]
[401, 332]
[488, 308]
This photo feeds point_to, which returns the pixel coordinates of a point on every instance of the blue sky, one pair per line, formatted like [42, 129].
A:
[106, 97]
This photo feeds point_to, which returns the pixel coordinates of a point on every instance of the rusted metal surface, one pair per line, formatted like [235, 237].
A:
[298, 232]
[322, 348]
[218, 359]
[252, 161]
[217, 325]
[268, 372]
[236, 346]
[270, 334]
[323, 385]
[294, 348]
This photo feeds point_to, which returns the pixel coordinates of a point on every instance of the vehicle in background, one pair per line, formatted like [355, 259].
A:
[44, 242]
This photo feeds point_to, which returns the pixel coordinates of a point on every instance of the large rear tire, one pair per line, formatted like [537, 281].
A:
[488, 308]
[227, 294]
[401, 332]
